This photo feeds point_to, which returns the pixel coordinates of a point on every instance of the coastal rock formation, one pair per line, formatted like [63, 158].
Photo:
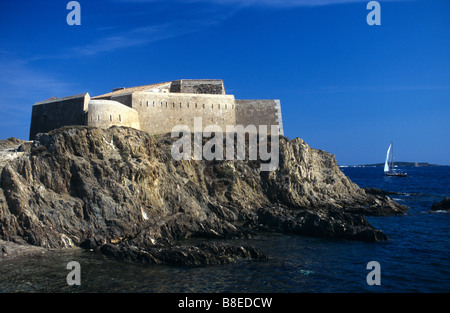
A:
[10, 249]
[11, 149]
[204, 253]
[120, 192]
[443, 205]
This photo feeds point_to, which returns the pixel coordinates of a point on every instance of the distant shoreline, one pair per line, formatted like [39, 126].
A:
[397, 164]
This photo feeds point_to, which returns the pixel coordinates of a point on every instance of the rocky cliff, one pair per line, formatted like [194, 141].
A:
[120, 192]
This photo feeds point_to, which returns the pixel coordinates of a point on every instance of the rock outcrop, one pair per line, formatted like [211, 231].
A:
[443, 205]
[120, 192]
[11, 149]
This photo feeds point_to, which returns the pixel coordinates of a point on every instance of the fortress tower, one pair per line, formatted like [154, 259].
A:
[156, 108]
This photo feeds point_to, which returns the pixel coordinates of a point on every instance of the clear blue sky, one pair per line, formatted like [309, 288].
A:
[345, 87]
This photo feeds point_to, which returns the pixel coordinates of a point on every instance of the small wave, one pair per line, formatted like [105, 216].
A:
[439, 211]
[306, 272]
[435, 211]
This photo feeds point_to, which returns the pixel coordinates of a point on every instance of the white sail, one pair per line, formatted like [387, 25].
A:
[386, 164]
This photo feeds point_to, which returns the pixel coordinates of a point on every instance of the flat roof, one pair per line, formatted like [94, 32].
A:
[131, 89]
[123, 91]
[81, 95]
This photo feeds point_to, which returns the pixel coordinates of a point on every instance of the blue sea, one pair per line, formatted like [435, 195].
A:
[416, 257]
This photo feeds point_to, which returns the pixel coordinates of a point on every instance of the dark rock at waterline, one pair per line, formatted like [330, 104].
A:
[206, 253]
[11, 249]
[326, 223]
[380, 192]
[3, 250]
[120, 188]
[443, 205]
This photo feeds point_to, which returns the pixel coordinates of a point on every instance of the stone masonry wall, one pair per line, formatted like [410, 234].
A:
[55, 113]
[160, 112]
[259, 112]
[106, 113]
[157, 110]
[124, 99]
[198, 86]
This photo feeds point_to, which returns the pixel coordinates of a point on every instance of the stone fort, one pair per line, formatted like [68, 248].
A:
[156, 108]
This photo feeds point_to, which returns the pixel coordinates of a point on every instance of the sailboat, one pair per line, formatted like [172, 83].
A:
[389, 169]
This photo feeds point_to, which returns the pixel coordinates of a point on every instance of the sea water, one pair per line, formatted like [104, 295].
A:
[415, 258]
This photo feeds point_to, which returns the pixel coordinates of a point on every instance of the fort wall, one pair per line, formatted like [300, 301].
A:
[259, 112]
[160, 112]
[54, 113]
[125, 99]
[202, 86]
[107, 113]
[157, 108]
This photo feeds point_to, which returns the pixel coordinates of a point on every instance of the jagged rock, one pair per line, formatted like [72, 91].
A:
[12, 249]
[380, 192]
[319, 223]
[187, 255]
[3, 250]
[81, 186]
[11, 143]
[443, 205]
